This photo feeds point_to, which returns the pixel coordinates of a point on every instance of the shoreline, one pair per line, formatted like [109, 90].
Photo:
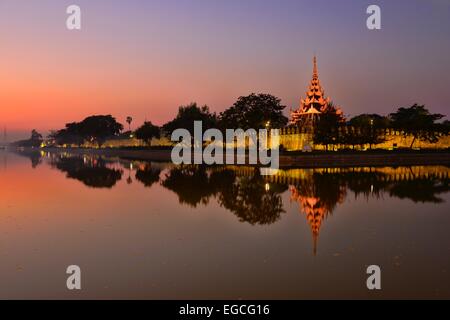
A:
[315, 160]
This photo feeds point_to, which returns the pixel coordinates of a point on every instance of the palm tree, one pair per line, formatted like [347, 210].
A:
[129, 120]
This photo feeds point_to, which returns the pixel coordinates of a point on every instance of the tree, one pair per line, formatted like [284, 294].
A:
[69, 135]
[418, 122]
[256, 111]
[129, 120]
[368, 129]
[327, 127]
[34, 141]
[445, 127]
[147, 132]
[186, 117]
[36, 136]
[99, 128]
[368, 120]
[94, 129]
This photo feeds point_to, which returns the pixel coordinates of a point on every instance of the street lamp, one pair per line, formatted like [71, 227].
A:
[371, 133]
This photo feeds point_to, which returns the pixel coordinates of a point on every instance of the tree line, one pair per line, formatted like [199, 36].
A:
[259, 111]
[368, 129]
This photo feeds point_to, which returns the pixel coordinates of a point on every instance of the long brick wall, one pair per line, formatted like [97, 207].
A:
[295, 139]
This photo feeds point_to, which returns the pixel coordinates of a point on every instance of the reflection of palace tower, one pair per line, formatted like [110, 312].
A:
[314, 207]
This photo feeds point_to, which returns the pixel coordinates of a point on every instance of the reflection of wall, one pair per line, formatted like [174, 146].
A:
[293, 176]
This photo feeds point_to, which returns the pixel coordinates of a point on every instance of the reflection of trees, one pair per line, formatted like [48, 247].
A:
[250, 198]
[190, 183]
[34, 155]
[36, 159]
[92, 172]
[369, 184]
[256, 201]
[415, 188]
[420, 189]
[147, 175]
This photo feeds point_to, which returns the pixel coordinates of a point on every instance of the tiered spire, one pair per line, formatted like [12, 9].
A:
[314, 104]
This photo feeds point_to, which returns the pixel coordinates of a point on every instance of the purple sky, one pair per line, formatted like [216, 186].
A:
[145, 58]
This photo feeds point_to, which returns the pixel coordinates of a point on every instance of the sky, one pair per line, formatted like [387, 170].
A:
[145, 58]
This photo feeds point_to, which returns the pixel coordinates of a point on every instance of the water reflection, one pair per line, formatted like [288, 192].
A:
[257, 199]
[252, 199]
[421, 189]
[92, 172]
[317, 198]
[241, 189]
[147, 175]
[35, 156]
[156, 218]
[192, 184]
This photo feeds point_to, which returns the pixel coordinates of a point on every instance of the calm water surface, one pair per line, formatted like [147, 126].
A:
[156, 231]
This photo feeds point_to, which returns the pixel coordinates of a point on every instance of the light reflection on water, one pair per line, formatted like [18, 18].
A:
[152, 230]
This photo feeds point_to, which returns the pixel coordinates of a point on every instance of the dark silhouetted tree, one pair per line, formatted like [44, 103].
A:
[147, 132]
[256, 111]
[35, 136]
[35, 140]
[94, 129]
[186, 117]
[418, 122]
[369, 130]
[327, 127]
[129, 120]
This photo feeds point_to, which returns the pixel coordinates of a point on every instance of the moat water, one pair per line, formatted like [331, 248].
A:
[152, 230]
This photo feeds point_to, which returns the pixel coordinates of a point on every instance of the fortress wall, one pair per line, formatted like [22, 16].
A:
[294, 140]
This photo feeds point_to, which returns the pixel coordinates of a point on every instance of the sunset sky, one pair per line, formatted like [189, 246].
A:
[145, 58]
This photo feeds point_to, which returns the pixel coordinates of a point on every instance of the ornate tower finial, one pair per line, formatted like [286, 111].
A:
[315, 72]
